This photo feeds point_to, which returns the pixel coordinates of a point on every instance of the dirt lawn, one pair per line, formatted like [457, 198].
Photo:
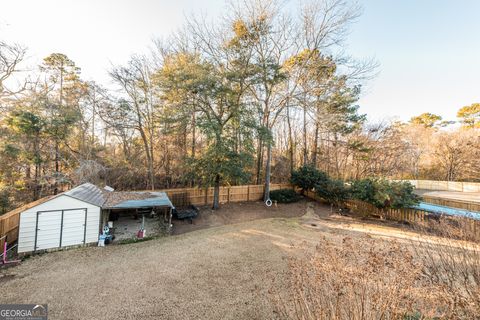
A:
[245, 211]
[216, 271]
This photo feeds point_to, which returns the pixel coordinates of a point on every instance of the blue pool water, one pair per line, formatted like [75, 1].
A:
[435, 208]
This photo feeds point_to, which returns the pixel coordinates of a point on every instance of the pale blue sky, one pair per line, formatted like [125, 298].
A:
[428, 50]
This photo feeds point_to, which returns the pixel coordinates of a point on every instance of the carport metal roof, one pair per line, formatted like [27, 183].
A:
[89, 193]
[135, 199]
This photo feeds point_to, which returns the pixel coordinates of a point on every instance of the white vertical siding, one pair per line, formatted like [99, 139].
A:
[50, 222]
[49, 230]
[73, 231]
[93, 224]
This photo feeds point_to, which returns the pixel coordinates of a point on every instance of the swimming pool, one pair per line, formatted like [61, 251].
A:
[435, 208]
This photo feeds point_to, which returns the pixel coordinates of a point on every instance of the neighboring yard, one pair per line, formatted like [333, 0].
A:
[223, 269]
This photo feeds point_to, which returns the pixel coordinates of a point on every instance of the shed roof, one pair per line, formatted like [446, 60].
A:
[89, 193]
[92, 194]
[137, 199]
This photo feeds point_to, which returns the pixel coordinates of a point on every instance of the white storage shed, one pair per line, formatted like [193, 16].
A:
[68, 219]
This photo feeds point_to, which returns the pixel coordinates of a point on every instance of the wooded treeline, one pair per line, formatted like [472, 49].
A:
[245, 98]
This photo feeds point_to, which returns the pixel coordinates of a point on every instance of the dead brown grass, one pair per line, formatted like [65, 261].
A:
[422, 278]
[450, 227]
[452, 271]
[354, 280]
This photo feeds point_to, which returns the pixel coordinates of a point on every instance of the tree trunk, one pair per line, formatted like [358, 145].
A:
[216, 193]
[57, 166]
[266, 195]
[259, 160]
[327, 164]
[151, 163]
[36, 178]
[94, 112]
[168, 179]
[290, 141]
[193, 134]
[305, 155]
[150, 172]
[36, 191]
[337, 161]
[192, 182]
[315, 146]
[57, 158]
[149, 160]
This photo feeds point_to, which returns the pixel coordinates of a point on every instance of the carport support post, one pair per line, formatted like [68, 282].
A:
[170, 219]
[104, 221]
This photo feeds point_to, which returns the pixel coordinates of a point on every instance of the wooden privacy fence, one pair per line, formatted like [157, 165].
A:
[368, 210]
[204, 196]
[446, 185]
[401, 215]
[467, 228]
[9, 227]
[454, 203]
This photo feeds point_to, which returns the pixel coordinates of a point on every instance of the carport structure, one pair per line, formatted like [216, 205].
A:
[136, 203]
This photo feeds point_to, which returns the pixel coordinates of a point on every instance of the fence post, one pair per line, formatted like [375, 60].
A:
[228, 195]
[248, 192]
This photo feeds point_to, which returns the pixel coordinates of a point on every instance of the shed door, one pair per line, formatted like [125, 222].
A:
[74, 227]
[60, 228]
[48, 230]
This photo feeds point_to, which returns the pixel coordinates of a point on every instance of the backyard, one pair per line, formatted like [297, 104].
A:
[220, 267]
[240, 159]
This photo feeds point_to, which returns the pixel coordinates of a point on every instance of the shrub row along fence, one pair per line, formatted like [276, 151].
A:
[461, 227]
[180, 197]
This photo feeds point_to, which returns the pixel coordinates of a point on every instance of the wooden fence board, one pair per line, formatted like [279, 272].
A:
[9, 228]
[466, 205]
[446, 185]
[196, 196]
